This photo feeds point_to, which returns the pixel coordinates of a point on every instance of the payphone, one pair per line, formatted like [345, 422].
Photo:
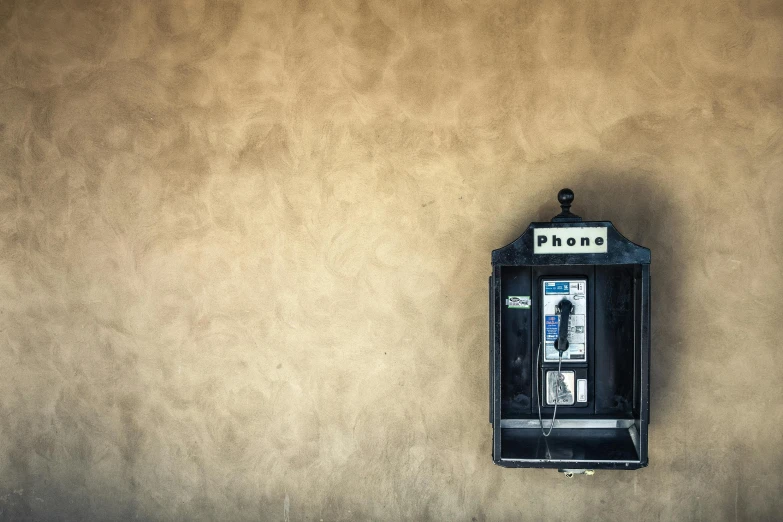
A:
[570, 346]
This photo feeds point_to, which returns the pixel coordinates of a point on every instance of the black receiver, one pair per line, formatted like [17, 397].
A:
[566, 307]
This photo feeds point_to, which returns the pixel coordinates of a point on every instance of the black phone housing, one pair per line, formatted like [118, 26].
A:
[610, 431]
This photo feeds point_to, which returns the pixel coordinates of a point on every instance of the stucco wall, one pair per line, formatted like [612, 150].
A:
[245, 250]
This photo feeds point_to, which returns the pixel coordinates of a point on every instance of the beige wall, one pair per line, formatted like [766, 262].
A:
[245, 250]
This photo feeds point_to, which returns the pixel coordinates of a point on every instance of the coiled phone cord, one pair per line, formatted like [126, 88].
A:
[557, 389]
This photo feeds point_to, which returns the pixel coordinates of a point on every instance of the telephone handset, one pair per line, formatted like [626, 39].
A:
[565, 307]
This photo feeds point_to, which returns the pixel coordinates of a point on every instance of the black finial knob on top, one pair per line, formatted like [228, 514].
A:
[566, 197]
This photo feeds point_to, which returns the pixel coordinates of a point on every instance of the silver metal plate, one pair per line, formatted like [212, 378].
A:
[560, 388]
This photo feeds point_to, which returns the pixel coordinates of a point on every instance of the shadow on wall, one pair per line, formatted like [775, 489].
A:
[646, 214]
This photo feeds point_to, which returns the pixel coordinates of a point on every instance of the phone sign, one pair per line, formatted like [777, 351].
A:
[571, 240]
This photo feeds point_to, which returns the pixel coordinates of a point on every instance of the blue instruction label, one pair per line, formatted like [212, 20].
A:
[557, 287]
[551, 327]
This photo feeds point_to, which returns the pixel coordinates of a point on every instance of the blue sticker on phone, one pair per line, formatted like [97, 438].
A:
[557, 287]
[551, 327]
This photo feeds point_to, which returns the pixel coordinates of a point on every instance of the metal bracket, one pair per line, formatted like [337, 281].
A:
[569, 473]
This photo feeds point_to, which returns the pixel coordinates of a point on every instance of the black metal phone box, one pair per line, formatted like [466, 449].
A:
[570, 347]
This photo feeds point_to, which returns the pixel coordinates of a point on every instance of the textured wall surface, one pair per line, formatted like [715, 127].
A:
[245, 250]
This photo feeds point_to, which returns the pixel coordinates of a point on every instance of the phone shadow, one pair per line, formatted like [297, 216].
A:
[646, 214]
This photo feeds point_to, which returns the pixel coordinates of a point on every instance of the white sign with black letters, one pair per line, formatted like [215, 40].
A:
[570, 240]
